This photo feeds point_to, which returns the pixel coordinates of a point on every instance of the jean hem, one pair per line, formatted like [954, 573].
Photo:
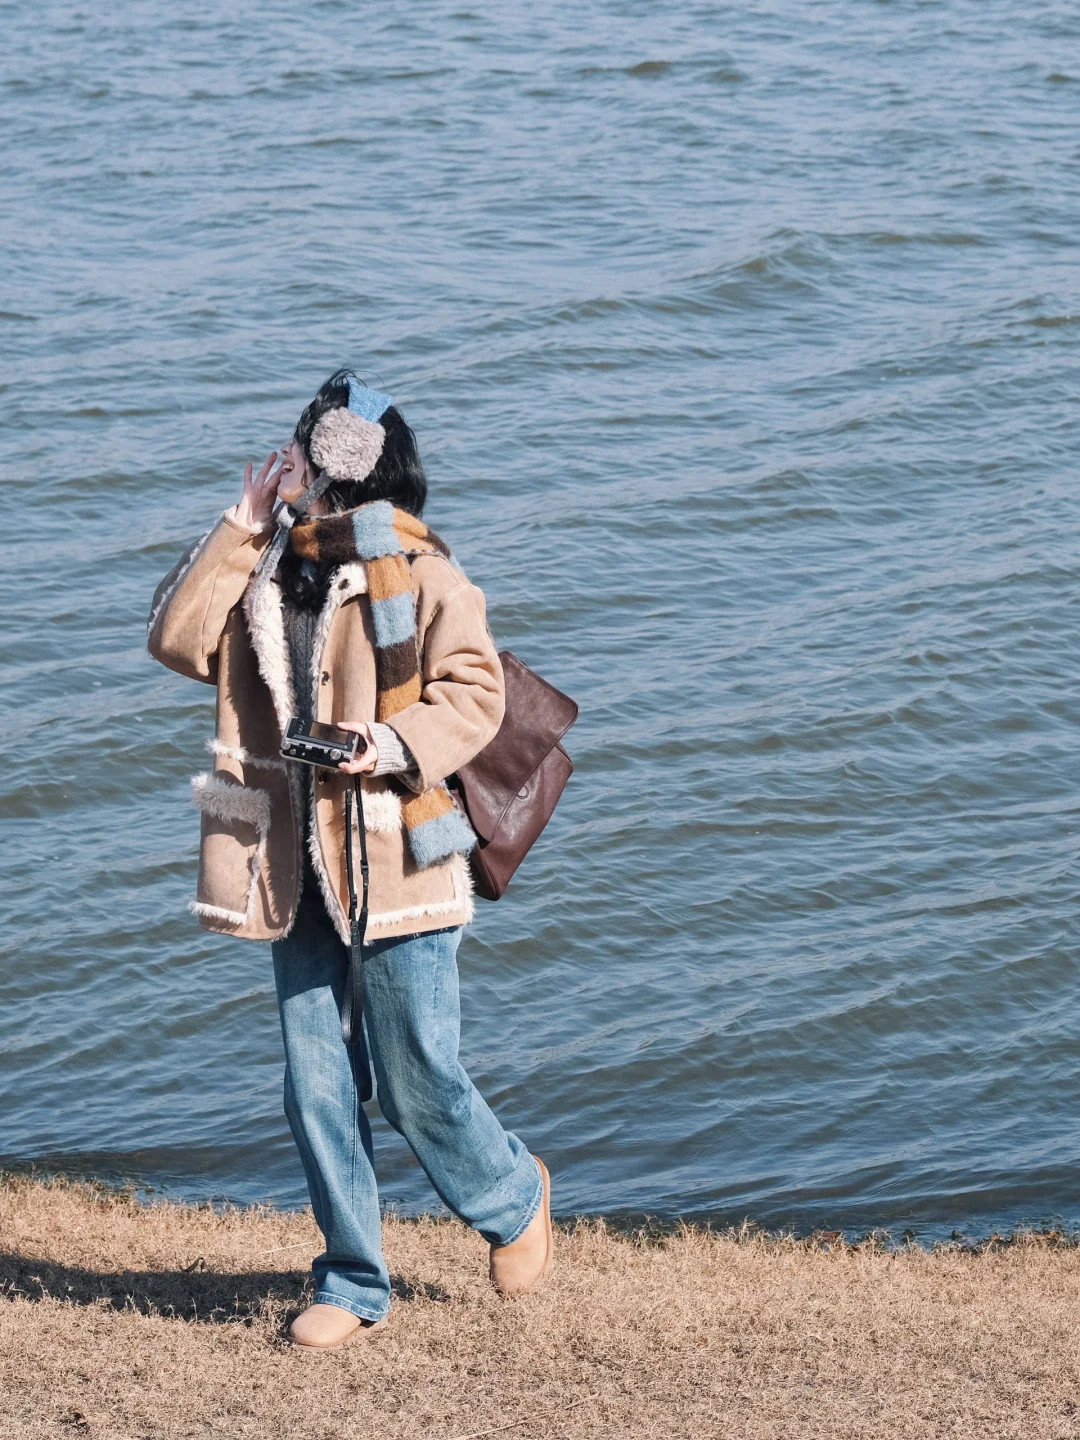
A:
[534, 1207]
[362, 1312]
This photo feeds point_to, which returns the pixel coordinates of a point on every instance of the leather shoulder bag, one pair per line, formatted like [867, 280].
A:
[510, 789]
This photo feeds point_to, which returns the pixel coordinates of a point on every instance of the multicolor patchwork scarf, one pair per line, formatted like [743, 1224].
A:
[382, 538]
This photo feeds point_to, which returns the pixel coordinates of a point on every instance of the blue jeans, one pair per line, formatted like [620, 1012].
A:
[480, 1171]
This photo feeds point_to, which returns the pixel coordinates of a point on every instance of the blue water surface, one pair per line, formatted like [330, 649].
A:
[742, 344]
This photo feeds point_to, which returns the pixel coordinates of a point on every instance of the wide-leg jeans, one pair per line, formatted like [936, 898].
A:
[480, 1171]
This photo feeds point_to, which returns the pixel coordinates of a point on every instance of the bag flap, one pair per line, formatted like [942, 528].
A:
[536, 718]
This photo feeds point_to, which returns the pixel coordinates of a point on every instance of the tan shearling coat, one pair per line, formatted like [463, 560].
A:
[210, 622]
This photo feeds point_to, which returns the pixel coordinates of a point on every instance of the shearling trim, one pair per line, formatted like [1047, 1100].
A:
[463, 885]
[413, 912]
[349, 580]
[217, 912]
[234, 803]
[463, 900]
[346, 445]
[230, 801]
[266, 624]
[382, 811]
[330, 900]
[245, 757]
[196, 551]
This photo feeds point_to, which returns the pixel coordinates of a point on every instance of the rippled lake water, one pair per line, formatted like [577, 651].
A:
[742, 344]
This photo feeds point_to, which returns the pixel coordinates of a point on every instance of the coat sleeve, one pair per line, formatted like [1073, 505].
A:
[191, 605]
[461, 703]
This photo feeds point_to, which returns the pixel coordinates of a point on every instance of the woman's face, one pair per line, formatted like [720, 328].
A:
[296, 473]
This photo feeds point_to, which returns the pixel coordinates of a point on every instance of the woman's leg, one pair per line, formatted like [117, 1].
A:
[325, 1115]
[484, 1174]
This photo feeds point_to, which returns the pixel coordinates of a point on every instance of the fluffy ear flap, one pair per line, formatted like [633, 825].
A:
[346, 445]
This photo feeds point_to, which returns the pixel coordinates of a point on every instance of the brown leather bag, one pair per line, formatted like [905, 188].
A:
[511, 788]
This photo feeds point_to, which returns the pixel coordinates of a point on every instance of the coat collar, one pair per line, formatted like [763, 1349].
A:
[264, 610]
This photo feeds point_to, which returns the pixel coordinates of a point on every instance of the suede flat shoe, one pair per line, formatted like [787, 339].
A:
[522, 1264]
[327, 1327]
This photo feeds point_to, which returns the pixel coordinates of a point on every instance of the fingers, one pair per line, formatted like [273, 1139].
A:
[362, 766]
[270, 485]
[262, 486]
[367, 756]
[265, 471]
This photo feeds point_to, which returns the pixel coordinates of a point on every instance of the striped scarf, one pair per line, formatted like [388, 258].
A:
[383, 538]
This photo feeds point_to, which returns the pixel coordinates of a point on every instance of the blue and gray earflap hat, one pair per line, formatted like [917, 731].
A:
[346, 443]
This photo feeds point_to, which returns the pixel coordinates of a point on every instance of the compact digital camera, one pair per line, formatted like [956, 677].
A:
[318, 744]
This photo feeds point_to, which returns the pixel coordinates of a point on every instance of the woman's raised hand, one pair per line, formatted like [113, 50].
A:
[260, 491]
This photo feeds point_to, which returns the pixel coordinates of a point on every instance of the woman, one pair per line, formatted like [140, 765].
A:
[348, 610]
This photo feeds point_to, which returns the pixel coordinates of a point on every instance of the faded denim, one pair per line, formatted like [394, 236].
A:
[480, 1171]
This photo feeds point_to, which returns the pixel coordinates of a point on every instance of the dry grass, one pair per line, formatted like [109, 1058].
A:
[118, 1320]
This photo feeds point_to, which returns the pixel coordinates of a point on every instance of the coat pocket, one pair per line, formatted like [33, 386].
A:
[235, 827]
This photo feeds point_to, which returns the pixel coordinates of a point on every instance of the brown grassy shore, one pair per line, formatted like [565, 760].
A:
[120, 1321]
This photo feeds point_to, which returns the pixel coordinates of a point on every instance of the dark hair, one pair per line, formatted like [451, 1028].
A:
[398, 475]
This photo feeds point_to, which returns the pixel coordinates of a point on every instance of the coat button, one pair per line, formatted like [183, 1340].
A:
[324, 678]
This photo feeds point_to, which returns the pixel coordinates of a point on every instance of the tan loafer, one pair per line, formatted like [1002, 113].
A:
[521, 1265]
[327, 1327]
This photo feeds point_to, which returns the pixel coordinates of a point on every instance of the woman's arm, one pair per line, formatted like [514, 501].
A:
[383, 753]
[191, 605]
[461, 704]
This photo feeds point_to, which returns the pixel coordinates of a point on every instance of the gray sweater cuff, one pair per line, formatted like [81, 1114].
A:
[395, 757]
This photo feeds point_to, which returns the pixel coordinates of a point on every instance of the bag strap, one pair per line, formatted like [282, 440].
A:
[352, 1009]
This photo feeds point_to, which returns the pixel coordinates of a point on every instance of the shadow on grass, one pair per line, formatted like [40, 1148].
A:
[199, 1294]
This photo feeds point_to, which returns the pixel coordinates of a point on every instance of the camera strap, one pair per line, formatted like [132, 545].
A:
[352, 1009]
